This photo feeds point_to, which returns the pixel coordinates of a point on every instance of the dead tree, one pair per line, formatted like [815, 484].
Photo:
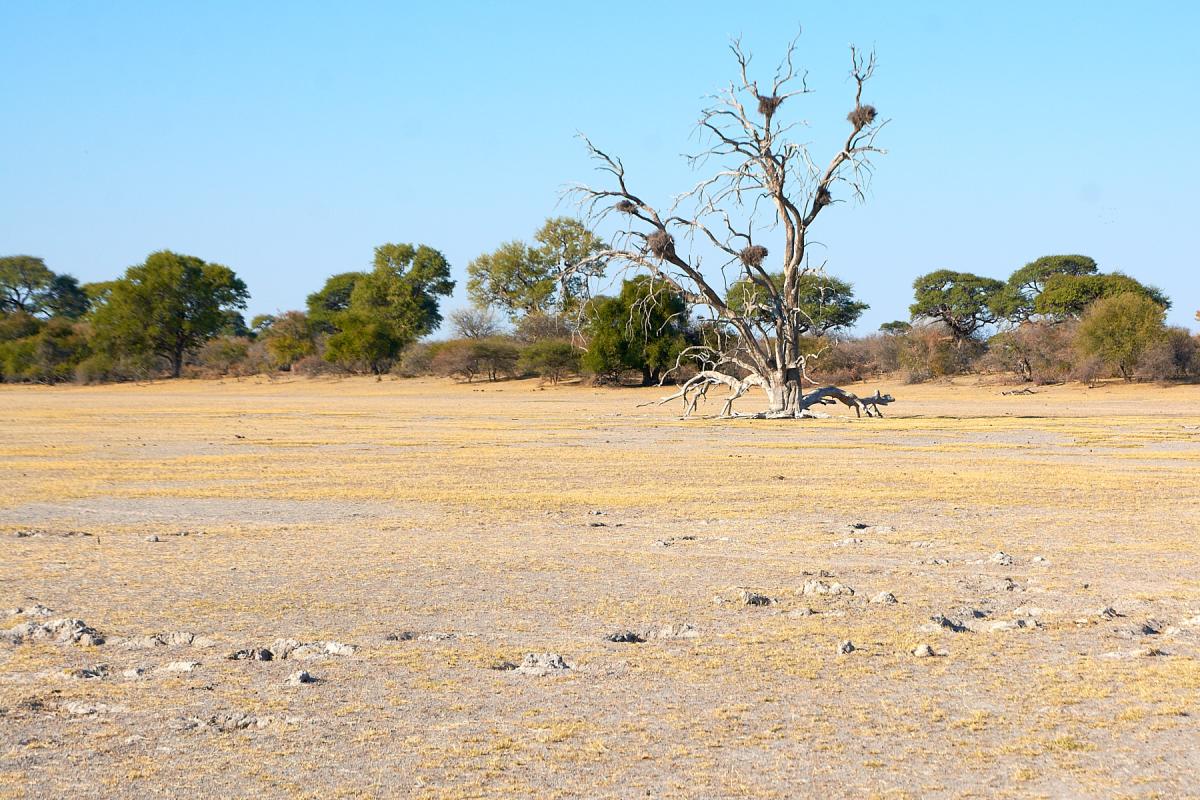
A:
[762, 187]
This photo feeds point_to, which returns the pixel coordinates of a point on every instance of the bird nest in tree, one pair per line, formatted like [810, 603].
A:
[661, 244]
[626, 207]
[768, 105]
[862, 116]
[753, 255]
[823, 197]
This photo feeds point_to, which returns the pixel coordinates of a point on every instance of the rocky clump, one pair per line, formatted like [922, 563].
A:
[298, 678]
[173, 639]
[625, 637]
[1001, 558]
[846, 647]
[819, 587]
[86, 673]
[179, 666]
[87, 709]
[755, 599]
[542, 664]
[251, 654]
[35, 610]
[674, 630]
[230, 722]
[884, 598]
[63, 631]
[942, 622]
[292, 649]
[1015, 625]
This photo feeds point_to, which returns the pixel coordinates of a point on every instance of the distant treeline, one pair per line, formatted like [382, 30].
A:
[1057, 318]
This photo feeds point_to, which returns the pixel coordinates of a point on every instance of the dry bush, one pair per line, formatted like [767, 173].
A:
[219, 357]
[416, 360]
[929, 352]
[465, 359]
[316, 366]
[1041, 352]
[1175, 358]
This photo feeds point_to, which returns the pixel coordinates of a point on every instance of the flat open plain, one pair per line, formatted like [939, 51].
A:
[476, 524]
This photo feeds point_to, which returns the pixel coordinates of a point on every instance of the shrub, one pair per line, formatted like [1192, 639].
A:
[552, 359]
[929, 351]
[416, 360]
[315, 366]
[467, 358]
[1175, 357]
[1119, 330]
[1041, 352]
[222, 355]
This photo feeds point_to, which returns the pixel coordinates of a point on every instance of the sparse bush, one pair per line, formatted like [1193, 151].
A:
[1041, 352]
[930, 352]
[467, 358]
[222, 355]
[315, 366]
[1176, 357]
[474, 323]
[535, 327]
[416, 360]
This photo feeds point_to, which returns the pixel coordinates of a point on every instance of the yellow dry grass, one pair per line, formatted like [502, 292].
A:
[348, 509]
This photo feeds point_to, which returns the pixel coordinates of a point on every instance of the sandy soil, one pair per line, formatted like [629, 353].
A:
[477, 524]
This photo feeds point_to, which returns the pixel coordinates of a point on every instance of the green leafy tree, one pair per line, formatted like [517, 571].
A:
[333, 299]
[28, 285]
[823, 303]
[288, 338]
[48, 354]
[167, 306]
[1017, 301]
[66, 298]
[896, 327]
[644, 328]
[1118, 330]
[24, 283]
[959, 300]
[552, 359]
[540, 279]
[1069, 296]
[390, 307]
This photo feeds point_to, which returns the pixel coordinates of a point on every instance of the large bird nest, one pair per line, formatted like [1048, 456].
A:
[768, 105]
[626, 207]
[753, 255]
[661, 244]
[862, 116]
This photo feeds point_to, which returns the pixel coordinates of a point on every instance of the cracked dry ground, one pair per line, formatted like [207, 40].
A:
[415, 540]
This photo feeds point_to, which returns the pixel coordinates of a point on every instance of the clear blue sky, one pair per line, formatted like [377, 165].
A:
[286, 140]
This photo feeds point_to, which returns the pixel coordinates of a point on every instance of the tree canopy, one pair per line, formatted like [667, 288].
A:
[544, 278]
[1017, 301]
[1069, 296]
[27, 285]
[823, 303]
[643, 328]
[959, 300]
[167, 306]
[388, 308]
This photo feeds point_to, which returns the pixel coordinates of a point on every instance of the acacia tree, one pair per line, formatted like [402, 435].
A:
[764, 187]
[961, 301]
